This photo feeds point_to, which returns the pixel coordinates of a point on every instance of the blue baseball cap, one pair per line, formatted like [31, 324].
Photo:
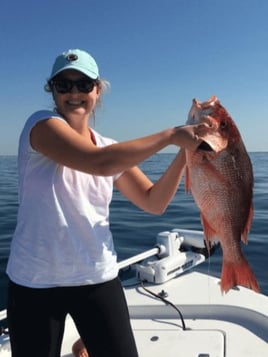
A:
[78, 60]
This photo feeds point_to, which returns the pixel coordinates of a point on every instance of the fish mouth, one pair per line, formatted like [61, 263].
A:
[212, 139]
[204, 146]
[212, 143]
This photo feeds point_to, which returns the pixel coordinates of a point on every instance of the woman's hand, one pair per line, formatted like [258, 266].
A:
[188, 136]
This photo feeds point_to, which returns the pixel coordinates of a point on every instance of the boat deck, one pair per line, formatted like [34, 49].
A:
[232, 325]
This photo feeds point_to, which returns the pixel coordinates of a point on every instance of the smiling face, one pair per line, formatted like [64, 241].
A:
[75, 105]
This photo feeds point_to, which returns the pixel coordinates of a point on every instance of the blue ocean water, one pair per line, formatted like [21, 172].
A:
[135, 231]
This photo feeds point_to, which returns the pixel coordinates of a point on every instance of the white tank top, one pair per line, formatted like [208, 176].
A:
[62, 237]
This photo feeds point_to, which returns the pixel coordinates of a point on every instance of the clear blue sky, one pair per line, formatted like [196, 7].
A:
[157, 54]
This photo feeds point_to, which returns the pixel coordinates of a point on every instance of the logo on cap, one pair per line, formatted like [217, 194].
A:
[71, 57]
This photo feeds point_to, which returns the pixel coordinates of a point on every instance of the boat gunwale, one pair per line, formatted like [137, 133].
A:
[252, 320]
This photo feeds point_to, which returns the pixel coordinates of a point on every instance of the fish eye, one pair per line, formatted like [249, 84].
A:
[224, 124]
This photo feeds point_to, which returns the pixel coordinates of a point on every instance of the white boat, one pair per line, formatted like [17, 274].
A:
[177, 311]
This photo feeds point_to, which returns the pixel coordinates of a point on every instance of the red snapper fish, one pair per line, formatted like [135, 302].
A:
[220, 177]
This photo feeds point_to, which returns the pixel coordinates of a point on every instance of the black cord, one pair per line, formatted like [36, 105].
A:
[165, 301]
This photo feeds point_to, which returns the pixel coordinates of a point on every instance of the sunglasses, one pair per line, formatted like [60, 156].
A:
[64, 85]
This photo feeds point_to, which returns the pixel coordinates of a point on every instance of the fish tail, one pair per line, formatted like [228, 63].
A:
[234, 274]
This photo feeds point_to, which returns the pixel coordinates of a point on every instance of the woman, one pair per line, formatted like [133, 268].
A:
[62, 256]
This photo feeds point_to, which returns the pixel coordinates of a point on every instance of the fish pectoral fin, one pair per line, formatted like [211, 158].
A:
[187, 180]
[209, 232]
[246, 230]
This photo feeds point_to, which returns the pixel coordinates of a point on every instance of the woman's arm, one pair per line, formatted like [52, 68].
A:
[152, 198]
[61, 143]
